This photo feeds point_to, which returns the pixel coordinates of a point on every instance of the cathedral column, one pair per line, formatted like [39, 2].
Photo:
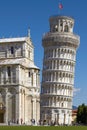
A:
[37, 110]
[38, 81]
[2, 75]
[6, 102]
[18, 74]
[18, 106]
[34, 108]
[23, 107]
[26, 120]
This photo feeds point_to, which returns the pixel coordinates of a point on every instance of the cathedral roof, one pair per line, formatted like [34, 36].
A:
[20, 39]
[33, 66]
[18, 61]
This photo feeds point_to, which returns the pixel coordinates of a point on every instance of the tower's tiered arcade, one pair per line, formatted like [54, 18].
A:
[60, 45]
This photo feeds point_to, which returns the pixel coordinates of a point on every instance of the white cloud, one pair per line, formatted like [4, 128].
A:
[76, 90]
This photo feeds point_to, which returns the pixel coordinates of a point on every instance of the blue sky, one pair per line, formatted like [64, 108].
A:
[16, 16]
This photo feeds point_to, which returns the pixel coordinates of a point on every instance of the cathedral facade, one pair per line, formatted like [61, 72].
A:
[60, 45]
[19, 82]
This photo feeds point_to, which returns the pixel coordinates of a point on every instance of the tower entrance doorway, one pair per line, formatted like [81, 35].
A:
[2, 111]
[1, 117]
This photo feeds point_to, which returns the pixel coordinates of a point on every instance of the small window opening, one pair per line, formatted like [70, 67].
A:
[66, 28]
[9, 71]
[12, 50]
[29, 74]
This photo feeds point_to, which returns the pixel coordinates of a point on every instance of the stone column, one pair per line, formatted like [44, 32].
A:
[38, 110]
[52, 101]
[34, 108]
[27, 108]
[23, 105]
[6, 102]
[34, 79]
[18, 74]
[2, 75]
[18, 106]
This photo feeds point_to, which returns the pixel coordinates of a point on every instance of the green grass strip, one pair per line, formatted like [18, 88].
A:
[43, 127]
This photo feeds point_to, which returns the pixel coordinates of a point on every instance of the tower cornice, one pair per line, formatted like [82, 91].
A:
[61, 17]
[60, 37]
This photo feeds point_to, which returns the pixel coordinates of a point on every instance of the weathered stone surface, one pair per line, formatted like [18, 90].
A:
[19, 81]
[60, 45]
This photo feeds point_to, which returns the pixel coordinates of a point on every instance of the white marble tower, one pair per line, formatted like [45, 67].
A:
[60, 45]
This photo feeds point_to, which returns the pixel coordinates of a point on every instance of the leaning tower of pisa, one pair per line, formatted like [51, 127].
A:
[60, 45]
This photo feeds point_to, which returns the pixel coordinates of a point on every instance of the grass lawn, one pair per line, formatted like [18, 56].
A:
[43, 127]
